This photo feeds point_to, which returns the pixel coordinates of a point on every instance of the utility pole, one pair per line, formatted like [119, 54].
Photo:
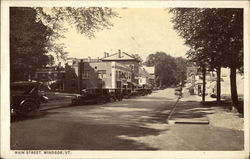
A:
[80, 72]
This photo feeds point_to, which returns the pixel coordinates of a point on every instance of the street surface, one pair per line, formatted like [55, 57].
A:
[132, 124]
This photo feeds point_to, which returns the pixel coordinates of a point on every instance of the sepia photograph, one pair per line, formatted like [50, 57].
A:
[106, 78]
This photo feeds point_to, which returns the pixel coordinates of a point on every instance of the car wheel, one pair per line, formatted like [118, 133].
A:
[74, 102]
[28, 107]
[112, 99]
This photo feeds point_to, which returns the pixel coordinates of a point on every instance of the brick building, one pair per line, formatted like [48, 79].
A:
[53, 76]
[96, 74]
[119, 70]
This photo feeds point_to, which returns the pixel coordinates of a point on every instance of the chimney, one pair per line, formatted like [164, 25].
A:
[119, 53]
[89, 59]
[98, 59]
[105, 54]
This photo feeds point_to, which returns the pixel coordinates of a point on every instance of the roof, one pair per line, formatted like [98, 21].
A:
[116, 57]
[76, 60]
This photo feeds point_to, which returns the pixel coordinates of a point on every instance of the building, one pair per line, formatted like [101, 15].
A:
[225, 83]
[146, 78]
[96, 74]
[195, 83]
[118, 71]
[53, 76]
[127, 60]
[151, 73]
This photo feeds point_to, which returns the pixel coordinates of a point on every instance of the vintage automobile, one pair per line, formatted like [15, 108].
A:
[126, 93]
[92, 96]
[25, 97]
[116, 94]
[141, 91]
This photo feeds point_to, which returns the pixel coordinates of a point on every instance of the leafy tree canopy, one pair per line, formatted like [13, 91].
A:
[137, 57]
[214, 35]
[33, 32]
[168, 70]
[86, 20]
[28, 42]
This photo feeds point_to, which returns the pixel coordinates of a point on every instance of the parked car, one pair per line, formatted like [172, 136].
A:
[92, 96]
[25, 97]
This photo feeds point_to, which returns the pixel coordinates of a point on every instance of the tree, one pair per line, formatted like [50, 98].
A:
[138, 57]
[199, 59]
[33, 32]
[28, 41]
[219, 34]
[181, 70]
[165, 68]
[86, 20]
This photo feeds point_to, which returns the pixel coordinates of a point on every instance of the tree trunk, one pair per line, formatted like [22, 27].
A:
[160, 82]
[204, 84]
[218, 84]
[234, 94]
[80, 72]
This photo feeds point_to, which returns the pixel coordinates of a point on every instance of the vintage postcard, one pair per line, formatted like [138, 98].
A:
[125, 79]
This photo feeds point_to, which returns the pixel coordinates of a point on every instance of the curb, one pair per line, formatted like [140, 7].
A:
[171, 113]
[172, 122]
[184, 121]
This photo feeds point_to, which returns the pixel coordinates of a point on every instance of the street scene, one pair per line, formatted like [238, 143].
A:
[139, 123]
[126, 79]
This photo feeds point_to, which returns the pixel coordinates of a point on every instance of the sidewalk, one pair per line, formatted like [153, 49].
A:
[189, 110]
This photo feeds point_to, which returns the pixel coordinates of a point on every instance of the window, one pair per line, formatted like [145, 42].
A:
[86, 74]
[120, 74]
[117, 74]
[101, 73]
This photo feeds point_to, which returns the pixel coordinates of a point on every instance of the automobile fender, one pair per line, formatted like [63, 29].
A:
[29, 100]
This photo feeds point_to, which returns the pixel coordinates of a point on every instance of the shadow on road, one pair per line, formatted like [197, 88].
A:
[226, 104]
[190, 110]
[111, 126]
[33, 116]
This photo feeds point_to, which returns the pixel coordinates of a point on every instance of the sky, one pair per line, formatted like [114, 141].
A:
[136, 31]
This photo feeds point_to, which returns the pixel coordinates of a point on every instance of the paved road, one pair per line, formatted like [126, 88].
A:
[132, 124]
